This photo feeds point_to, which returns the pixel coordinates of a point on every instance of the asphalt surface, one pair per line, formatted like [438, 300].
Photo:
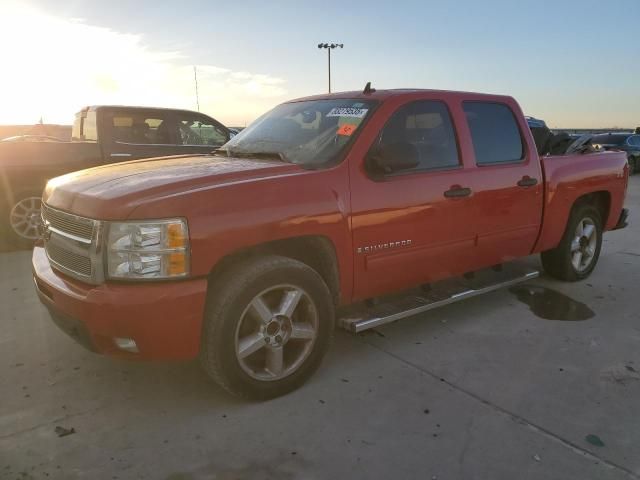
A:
[483, 389]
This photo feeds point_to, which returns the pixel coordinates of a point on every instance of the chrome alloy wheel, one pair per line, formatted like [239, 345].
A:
[584, 244]
[25, 218]
[276, 333]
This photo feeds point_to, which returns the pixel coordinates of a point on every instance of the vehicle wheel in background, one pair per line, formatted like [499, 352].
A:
[22, 221]
[578, 252]
[268, 323]
[633, 165]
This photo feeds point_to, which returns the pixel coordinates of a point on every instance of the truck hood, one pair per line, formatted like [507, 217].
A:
[111, 192]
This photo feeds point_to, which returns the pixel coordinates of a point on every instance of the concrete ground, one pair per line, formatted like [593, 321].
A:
[483, 389]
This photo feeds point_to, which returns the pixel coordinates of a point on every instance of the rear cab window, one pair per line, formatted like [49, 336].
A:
[495, 133]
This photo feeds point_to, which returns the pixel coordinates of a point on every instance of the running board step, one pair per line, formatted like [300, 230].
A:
[359, 318]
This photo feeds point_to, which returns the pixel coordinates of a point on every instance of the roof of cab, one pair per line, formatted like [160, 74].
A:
[394, 92]
[132, 107]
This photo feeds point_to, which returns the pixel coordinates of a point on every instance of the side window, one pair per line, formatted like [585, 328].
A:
[140, 129]
[494, 132]
[426, 127]
[84, 127]
[89, 128]
[200, 131]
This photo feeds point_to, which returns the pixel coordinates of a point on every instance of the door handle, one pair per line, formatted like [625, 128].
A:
[124, 155]
[527, 181]
[457, 192]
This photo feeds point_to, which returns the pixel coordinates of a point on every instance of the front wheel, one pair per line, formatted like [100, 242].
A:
[269, 322]
[23, 220]
[577, 254]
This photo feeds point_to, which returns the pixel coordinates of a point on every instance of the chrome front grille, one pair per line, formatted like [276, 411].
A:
[68, 224]
[71, 261]
[72, 244]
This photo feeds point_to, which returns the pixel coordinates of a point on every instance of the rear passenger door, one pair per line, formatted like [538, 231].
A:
[507, 182]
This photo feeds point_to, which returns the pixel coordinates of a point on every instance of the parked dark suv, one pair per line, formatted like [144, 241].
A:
[626, 142]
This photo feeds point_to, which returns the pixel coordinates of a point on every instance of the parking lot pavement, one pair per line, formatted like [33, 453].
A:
[484, 389]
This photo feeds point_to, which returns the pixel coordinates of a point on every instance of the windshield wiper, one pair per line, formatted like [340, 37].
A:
[260, 155]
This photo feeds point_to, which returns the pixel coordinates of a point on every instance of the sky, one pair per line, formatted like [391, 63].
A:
[574, 63]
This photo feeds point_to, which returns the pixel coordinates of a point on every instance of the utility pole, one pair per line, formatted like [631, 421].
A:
[195, 78]
[329, 47]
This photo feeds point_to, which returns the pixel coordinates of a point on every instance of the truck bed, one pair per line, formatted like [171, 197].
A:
[568, 177]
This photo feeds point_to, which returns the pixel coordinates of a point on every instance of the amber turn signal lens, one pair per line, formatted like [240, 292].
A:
[176, 236]
[177, 264]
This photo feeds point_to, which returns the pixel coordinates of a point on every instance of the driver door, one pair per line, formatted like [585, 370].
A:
[415, 225]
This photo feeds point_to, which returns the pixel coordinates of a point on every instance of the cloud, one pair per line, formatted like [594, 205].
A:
[52, 67]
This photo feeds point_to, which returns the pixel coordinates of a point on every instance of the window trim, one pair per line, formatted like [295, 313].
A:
[524, 155]
[382, 176]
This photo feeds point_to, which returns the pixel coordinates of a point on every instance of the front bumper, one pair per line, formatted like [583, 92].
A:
[164, 318]
[622, 221]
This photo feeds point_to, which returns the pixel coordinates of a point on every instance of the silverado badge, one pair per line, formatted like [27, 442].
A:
[383, 246]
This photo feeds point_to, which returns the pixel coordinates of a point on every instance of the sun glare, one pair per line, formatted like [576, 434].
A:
[52, 67]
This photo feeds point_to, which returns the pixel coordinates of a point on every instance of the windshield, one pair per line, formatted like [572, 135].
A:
[310, 133]
[609, 139]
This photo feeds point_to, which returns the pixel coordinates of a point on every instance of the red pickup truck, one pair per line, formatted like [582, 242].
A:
[248, 256]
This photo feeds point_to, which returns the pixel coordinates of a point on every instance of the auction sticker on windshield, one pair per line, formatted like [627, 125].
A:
[348, 112]
[347, 129]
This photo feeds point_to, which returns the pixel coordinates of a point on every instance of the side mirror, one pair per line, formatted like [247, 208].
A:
[394, 157]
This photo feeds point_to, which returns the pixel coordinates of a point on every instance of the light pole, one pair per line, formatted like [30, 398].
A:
[329, 47]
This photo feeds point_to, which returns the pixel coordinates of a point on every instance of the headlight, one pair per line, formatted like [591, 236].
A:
[148, 250]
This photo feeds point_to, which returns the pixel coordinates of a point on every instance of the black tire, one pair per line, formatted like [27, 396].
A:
[12, 236]
[558, 262]
[227, 306]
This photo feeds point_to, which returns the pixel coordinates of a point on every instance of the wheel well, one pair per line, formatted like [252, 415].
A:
[317, 252]
[600, 200]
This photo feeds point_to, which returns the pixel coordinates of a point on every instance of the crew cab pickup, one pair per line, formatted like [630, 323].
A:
[248, 257]
[100, 135]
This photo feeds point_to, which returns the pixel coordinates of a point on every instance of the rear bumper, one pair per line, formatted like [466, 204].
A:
[164, 319]
[622, 221]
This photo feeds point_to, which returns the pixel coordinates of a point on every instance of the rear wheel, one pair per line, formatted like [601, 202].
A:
[578, 252]
[269, 322]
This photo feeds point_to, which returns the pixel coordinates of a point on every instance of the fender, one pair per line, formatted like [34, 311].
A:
[234, 217]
